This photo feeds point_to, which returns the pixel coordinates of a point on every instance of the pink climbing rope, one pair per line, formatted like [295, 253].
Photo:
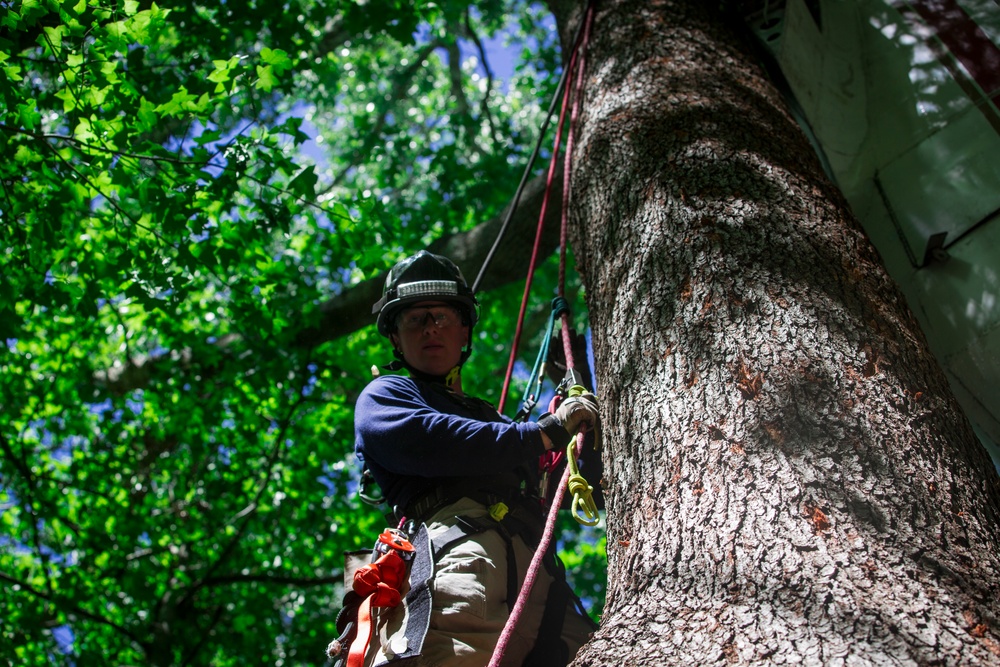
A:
[560, 492]
[535, 249]
[564, 214]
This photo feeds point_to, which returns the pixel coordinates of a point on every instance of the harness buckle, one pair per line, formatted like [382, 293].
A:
[498, 511]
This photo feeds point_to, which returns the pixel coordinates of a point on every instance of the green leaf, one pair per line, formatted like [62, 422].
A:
[118, 33]
[53, 37]
[96, 96]
[304, 183]
[13, 72]
[179, 104]
[340, 213]
[139, 25]
[68, 98]
[219, 75]
[277, 59]
[25, 155]
[84, 131]
[109, 70]
[146, 115]
[28, 114]
[265, 78]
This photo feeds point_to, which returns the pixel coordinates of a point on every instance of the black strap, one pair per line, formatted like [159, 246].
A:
[552, 427]
[418, 598]
[440, 495]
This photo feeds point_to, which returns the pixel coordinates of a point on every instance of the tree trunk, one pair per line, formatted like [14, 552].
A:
[788, 477]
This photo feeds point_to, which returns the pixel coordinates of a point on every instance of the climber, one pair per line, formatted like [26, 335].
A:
[450, 462]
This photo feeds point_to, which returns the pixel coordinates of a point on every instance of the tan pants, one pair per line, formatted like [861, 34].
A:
[470, 600]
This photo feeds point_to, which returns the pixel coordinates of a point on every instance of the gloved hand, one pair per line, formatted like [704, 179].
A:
[578, 410]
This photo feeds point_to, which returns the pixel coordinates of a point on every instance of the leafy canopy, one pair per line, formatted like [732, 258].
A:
[183, 185]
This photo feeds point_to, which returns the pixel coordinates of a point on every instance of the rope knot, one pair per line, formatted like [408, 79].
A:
[560, 306]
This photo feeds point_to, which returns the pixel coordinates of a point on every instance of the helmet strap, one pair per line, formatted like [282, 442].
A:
[453, 376]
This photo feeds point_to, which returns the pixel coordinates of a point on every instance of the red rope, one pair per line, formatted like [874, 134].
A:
[534, 566]
[538, 239]
[550, 521]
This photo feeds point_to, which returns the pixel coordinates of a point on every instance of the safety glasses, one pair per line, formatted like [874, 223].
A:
[414, 319]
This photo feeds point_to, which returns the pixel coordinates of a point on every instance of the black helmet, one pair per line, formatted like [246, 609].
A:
[422, 277]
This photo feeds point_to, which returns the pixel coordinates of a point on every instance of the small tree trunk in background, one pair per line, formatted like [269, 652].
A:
[788, 476]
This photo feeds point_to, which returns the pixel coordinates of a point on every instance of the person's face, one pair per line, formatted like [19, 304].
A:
[430, 336]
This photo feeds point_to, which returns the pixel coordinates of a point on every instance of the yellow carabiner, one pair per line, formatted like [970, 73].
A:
[584, 509]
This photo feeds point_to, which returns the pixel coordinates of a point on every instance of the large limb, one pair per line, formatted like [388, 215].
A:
[351, 309]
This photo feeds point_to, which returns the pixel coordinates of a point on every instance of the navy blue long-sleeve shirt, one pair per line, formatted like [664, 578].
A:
[414, 436]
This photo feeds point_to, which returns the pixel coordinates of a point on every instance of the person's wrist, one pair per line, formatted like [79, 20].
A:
[546, 441]
[553, 429]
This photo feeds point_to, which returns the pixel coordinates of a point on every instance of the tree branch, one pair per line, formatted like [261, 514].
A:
[374, 136]
[243, 517]
[205, 636]
[28, 505]
[351, 309]
[69, 607]
[484, 107]
[462, 109]
[277, 579]
[44, 136]
[334, 35]
[455, 76]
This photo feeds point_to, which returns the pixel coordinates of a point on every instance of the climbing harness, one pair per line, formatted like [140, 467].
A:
[368, 489]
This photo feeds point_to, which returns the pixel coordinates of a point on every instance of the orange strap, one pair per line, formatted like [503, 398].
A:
[379, 585]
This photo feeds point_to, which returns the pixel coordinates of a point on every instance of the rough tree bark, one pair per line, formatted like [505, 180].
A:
[788, 477]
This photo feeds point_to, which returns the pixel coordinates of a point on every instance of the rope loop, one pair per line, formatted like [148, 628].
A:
[576, 65]
[583, 507]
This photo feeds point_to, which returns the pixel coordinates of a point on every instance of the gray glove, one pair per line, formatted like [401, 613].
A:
[578, 410]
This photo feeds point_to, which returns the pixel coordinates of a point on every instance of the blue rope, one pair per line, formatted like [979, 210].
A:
[534, 387]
